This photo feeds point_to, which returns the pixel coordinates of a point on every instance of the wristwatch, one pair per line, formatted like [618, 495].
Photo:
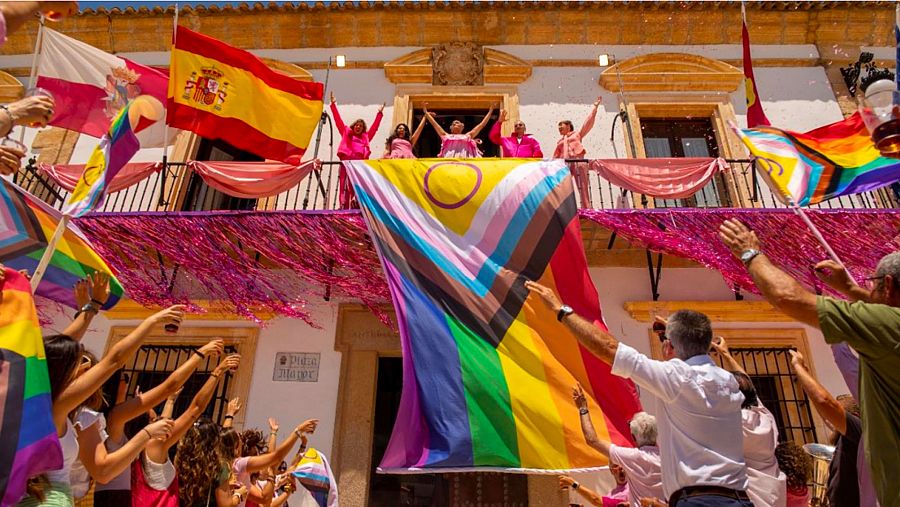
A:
[748, 255]
[90, 307]
[564, 311]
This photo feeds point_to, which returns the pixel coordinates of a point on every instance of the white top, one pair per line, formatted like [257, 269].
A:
[121, 482]
[767, 484]
[239, 469]
[84, 419]
[642, 469]
[69, 444]
[698, 413]
[158, 476]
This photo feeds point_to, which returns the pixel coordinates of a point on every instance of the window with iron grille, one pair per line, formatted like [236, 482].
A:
[153, 363]
[772, 375]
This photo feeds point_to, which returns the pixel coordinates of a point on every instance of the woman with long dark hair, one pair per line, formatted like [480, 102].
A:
[457, 144]
[68, 391]
[400, 144]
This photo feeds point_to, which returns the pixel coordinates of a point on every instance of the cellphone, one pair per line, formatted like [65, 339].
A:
[660, 329]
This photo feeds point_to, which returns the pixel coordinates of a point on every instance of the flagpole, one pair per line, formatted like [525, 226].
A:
[34, 64]
[165, 157]
[48, 252]
[821, 239]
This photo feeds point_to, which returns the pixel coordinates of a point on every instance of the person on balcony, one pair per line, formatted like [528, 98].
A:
[354, 146]
[456, 144]
[400, 144]
[569, 146]
[518, 145]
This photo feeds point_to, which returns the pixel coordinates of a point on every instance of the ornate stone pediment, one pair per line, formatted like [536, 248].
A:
[657, 72]
[422, 67]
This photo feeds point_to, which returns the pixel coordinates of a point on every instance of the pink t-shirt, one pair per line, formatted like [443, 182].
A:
[401, 148]
[239, 468]
[643, 470]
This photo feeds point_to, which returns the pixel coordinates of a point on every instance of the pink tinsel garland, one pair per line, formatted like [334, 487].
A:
[859, 237]
[261, 262]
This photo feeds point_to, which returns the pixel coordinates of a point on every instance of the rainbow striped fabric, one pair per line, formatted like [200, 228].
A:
[26, 223]
[488, 371]
[830, 161]
[114, 151]
[314, 473]
[28, 442]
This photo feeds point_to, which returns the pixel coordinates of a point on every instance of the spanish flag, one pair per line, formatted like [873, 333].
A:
[221, 92]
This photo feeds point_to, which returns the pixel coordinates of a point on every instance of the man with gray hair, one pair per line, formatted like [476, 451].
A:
[641, 463]
[697, 404]
[869, 322]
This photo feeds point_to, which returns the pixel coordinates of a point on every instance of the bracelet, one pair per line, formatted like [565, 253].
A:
[148, 433]
[583, 411]
[298, 433]
[199, 354]
[98, 303]
[228, 416]
[213, 374]
[575, 485]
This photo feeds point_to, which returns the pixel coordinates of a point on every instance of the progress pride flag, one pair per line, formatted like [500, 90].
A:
[90, 86]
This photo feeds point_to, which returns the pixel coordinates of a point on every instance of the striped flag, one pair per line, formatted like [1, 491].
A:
[28, 442]
[488, 370]
[115, 150]
[755, 114]
[221, 92]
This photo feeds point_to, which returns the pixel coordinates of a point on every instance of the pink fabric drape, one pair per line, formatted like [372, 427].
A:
[665, 178]
[251, 180]
[67, 175]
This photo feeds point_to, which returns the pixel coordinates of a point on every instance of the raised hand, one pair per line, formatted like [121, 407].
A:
[234, 406]
[214, 348]
[578, 396]
[546, 295]
[160, 429]
[566, 482]
[834, 275]
[82, 293]
[380, 109]
[720, 345]
[273, 425]
[171, 315]
[308, 426]
[10, 160]
[738, 237]
[598, 102]
[32, 110]
[503, 115]
[99, 282]
[59, 9]
[797, 360]
[230, 363]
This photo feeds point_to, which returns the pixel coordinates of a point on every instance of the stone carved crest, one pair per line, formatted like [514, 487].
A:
[457, 64]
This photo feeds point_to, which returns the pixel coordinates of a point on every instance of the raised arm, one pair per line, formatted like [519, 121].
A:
[484, 121]
[589, 122]
[86, 310]
[779, 289]
[256, 463]
[728, 361]
[233, 407]
[415, 137]
[587, 426]
[342, 129]
[835, 276]
[136, 406]
[596, 340]
[105, 466]
[566, 482]
[373, 129]
[494, 134]
[85, 385]
[437, 127]
[826, 405]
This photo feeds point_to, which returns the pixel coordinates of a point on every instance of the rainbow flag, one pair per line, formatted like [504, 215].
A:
[26, 223]
[314, 473]
[116, 148]
[222, 92]
[28, 442]
[828, 162]
[488, 371]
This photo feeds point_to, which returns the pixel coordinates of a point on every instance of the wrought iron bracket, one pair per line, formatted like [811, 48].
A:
[655, 273]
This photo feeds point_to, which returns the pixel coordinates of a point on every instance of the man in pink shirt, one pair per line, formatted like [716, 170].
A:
[518, 145]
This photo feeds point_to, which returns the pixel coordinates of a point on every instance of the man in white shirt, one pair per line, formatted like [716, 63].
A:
[696, 403]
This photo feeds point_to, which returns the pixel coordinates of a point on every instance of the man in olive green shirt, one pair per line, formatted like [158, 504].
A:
[869, 322]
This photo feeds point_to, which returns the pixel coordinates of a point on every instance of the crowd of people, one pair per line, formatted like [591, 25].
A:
[119, 449]
[710, 441]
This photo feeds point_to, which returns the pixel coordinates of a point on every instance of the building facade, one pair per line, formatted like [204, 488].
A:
[673, 69]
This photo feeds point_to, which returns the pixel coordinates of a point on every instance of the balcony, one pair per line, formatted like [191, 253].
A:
[182, 190]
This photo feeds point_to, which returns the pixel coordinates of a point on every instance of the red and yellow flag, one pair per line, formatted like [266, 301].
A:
[221, 92]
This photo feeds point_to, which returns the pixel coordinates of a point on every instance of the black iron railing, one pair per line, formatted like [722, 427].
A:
[183, 190]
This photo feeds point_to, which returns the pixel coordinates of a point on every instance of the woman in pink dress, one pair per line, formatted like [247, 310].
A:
[400, 144]
[354, 146]
[569, 146]
[456, 144]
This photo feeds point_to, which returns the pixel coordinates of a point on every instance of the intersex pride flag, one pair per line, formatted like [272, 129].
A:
[488, 371]
[222, 92]
[90, 87]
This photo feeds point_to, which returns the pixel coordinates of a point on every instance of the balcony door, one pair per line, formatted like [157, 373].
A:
[200, 196]
[429, 144]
